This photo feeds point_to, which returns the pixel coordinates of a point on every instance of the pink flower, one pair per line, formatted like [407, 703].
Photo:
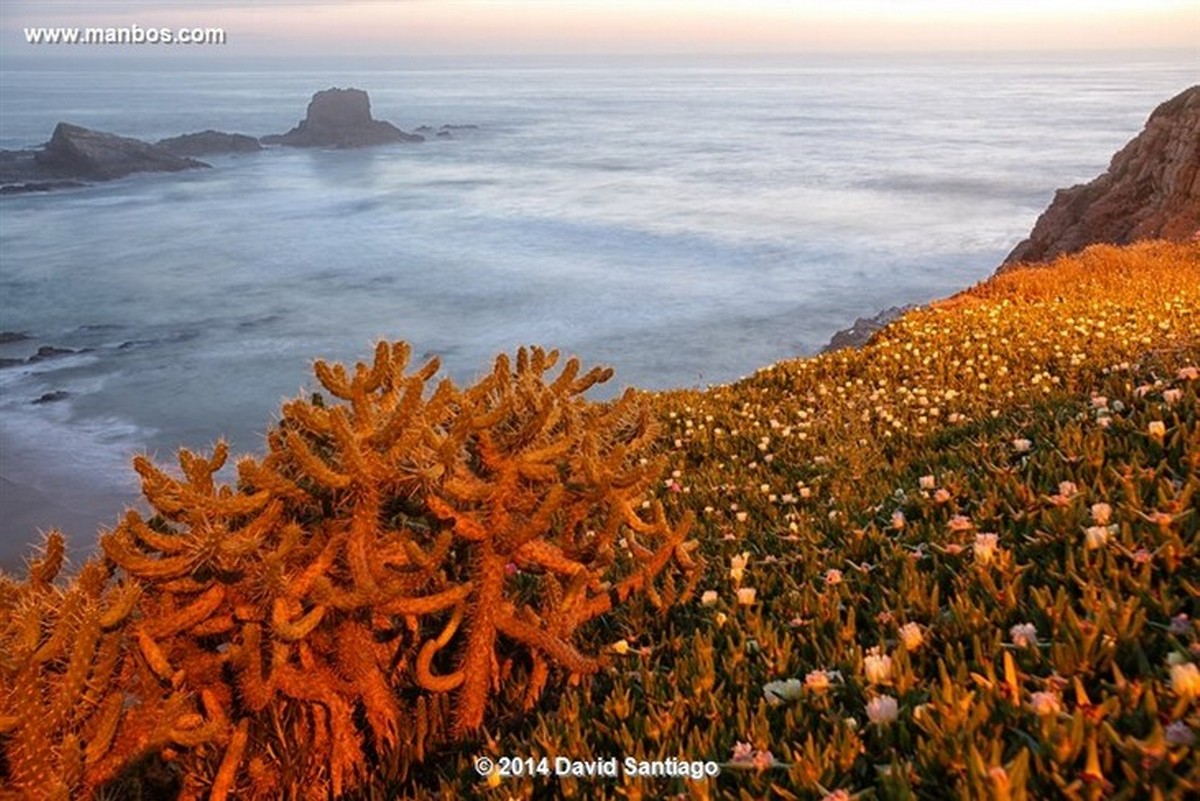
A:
[762, 760]
[1179, 733]
[742, 752]
[960, 523]
[986, 544]
[1024, 635]
[882, 709]
[1044, 704]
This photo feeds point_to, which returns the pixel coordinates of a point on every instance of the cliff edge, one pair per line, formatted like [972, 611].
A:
[1151, 190]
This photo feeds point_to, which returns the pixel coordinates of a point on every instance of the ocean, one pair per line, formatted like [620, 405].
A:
[685, 222]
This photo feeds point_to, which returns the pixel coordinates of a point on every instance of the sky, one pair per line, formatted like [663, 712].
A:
[551, 27]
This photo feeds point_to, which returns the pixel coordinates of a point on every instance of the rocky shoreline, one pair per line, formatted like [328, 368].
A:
[76, 156]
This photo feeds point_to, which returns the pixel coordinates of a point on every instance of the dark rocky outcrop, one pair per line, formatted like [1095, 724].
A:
[21, 173]
[1151, 190]
[341, 118]
[863, 329]
[206, 143]
[51, 397]
[74, 152]
[50, 352]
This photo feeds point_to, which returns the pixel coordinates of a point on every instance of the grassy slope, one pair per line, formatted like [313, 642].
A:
[967, 418]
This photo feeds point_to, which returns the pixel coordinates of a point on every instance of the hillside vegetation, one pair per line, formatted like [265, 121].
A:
[960, 562]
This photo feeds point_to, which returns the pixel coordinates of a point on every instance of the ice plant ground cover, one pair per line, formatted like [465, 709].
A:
[960, 562]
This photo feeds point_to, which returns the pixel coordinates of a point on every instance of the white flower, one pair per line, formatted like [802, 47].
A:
[1024, 635]
[882, 709]
[708, 598]
[1021, 445]
[1067, 489]
[927, 482]
[778, 692]
[911, 636]
[833, 577]
[985, 547]
[1095, 537]
[1172, 396]
[877, 667]
[745, 595]
[1185, 680]
[737, 566]
[1101, 513]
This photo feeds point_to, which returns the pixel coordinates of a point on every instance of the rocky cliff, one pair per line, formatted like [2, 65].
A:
[1151, 190]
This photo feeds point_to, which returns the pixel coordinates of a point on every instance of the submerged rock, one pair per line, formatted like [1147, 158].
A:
[209, 142]
[1151, 190]
[76, 152]
[341, 118]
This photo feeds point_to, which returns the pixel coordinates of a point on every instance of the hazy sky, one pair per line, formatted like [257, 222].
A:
[417, 27]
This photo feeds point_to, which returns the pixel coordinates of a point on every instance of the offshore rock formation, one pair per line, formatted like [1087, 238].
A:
[1151, 190]
[76, 152]
[864, 328]
[208, 142]
[341, 118]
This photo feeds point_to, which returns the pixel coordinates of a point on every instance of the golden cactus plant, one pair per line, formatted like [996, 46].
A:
[396, 557]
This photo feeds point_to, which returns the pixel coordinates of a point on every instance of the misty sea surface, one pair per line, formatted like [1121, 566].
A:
[685, 223]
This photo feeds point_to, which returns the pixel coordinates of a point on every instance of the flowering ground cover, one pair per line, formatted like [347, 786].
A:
[960, 562]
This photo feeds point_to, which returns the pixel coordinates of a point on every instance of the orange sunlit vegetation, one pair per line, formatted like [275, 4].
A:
[960, 561]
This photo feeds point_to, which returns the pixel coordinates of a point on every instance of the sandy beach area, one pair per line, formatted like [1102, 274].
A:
[40, 498]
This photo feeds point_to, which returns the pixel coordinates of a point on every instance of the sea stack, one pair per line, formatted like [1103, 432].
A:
[341, 118]
[1150, 191]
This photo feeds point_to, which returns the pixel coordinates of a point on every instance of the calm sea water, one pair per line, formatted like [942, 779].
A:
[685, 223]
